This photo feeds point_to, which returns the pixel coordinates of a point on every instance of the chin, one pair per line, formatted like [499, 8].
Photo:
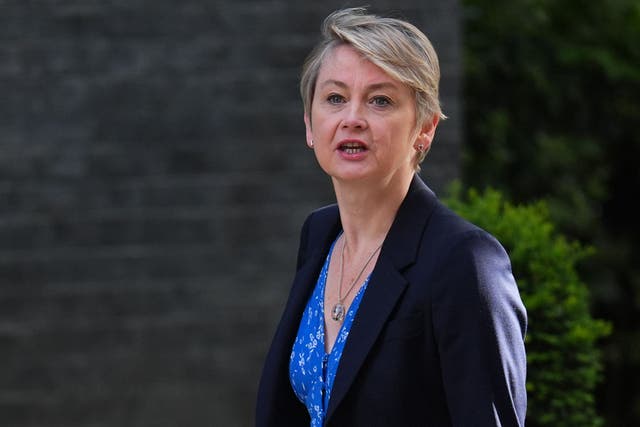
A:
[351, 176]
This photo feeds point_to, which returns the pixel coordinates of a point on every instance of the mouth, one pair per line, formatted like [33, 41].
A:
[352, 147]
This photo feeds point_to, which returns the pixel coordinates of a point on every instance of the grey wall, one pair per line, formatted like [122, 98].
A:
[153, 179]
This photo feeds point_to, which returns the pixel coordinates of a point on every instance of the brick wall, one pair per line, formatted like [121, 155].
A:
[153, 180]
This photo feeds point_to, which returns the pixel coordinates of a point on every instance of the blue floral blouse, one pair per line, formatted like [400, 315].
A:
[311, 370]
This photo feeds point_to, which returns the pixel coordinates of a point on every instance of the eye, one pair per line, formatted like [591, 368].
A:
[334, 98]
[381, 101]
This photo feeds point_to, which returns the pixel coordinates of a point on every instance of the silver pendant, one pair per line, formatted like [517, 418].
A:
[337, 313]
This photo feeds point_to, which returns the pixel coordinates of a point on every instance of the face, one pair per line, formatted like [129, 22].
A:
[362, 121]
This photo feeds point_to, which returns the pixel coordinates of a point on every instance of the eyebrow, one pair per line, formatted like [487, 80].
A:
[375, 86]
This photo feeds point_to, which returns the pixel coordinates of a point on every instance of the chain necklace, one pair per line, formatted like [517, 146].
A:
[338, 311]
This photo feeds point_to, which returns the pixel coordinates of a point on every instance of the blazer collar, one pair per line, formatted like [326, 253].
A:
[404, 237]
[386, 285]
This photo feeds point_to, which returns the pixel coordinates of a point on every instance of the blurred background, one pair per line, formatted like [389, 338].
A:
[154, 177]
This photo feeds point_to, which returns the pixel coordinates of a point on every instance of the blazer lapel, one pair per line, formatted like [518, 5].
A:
[322, 233]
[278, 398]
[385, 287]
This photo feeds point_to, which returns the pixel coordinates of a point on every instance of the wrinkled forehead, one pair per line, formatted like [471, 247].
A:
[343, 64]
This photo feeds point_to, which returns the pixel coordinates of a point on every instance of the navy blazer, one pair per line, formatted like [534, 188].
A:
[438, 339]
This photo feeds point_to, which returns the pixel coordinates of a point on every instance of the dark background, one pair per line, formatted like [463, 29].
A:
[153, 180]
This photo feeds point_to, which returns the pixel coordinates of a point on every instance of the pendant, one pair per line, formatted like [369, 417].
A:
[337, 313]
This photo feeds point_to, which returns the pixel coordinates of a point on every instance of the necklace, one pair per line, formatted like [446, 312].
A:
[338, 311]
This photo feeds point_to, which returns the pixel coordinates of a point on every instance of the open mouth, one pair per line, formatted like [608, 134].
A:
[352, 147]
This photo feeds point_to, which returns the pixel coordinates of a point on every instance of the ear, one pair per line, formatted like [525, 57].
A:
[308, 133]
[427, 132]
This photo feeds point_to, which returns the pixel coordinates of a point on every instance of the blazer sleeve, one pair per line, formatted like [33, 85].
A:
[479, 325]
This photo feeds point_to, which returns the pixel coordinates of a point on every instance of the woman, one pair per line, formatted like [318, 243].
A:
[400, 313]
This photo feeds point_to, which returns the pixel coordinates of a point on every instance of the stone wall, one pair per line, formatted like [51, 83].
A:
[153, 180]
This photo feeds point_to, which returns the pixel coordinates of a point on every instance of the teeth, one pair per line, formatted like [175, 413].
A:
[349, 150]
[353, 147]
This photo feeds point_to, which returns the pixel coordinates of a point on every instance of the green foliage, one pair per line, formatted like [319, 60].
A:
[562, 359]
[552, 106]
[551, 90]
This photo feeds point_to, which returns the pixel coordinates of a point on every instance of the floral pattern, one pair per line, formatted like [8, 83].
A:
[311, 370]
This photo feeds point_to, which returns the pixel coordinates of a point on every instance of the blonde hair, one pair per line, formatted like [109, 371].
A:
[399, 48]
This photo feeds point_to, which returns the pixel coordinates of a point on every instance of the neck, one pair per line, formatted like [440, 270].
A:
[367, 211]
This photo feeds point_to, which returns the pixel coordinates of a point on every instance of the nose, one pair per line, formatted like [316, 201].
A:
[354, 117]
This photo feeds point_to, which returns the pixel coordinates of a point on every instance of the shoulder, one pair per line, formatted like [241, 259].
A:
[457, 254]
[423, 208]
[471, 271]
[472, 266]
[325, 214]
[319, 228]
[321, 222]
[455, 234]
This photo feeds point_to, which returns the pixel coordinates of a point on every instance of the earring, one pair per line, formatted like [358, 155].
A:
[310, 144]
[420, 148]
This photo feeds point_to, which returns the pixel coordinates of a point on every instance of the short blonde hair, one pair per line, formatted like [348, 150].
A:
[399, 48]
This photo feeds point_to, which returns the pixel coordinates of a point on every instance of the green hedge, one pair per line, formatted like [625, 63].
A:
[551, 111]
[563, 362]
